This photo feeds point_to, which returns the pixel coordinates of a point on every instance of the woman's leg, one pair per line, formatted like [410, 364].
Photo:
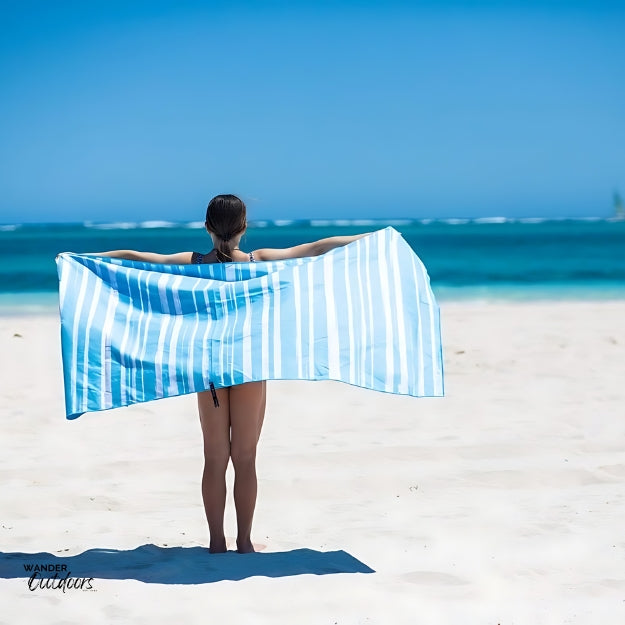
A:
[216, 432]
[247, 411]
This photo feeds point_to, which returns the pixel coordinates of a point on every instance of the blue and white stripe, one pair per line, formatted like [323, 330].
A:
[362, 314]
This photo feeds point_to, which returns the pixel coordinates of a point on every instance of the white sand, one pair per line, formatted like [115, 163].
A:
[501, 503]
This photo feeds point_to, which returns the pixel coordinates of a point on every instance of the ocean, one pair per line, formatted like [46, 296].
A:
[485, 259]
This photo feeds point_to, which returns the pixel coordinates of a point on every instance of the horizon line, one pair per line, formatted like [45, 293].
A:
[315, 222]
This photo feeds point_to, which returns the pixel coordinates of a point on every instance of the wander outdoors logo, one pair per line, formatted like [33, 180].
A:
[55, 577]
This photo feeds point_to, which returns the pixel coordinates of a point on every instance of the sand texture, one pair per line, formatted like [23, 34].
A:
[504, 502]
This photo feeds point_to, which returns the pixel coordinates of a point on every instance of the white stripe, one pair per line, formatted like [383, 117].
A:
[160, 346]
[369, 311]
[122, 348]
[196, 325]
[388, 321]
[334, 365]
[206, 345]
[62, 264]
[350, 320]
[247, 339]
[436, 365]
[134, 352]
[173, 343]
[176, 295]
[420, 381]
[146, 330]
[363, 323]
[95, 296]
[185, 347]
[77, 330]
[265, 328]
[223, 303]
[298, 321]
[105, 347]
[311, 322]
[233, 335]
[163, 282]
[158, 357]
[105, 336]
[277, 343]
[398, 307]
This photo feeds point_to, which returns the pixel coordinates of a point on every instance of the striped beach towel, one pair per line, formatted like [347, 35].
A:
[362, 314]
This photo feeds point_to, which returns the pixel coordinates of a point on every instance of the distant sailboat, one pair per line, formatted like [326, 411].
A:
[619, 208]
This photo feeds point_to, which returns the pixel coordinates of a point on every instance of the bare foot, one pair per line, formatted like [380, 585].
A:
[218, 546]
[245, 547]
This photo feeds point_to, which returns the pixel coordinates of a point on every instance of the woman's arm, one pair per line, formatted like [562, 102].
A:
[181, 258]
[316, 248]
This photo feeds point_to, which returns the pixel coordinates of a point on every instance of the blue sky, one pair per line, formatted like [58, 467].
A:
[145, 110]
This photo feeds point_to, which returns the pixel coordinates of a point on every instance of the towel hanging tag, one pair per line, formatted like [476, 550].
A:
[214, 394]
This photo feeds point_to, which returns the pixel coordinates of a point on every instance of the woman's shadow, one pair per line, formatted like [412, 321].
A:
[177, 565]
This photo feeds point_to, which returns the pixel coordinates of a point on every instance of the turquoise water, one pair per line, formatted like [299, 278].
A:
[466, 259]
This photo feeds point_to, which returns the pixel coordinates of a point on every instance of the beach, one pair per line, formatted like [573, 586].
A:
[501, 503]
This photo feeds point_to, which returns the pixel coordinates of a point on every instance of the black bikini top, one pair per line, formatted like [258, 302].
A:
[198, 259]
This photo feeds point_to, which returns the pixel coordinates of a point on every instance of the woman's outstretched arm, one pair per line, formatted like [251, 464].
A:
[181, 258]
[316, 248]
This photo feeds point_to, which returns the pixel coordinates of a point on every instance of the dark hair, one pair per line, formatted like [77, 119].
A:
[225, 218]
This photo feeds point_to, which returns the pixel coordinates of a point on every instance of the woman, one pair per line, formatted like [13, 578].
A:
[231, 424]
